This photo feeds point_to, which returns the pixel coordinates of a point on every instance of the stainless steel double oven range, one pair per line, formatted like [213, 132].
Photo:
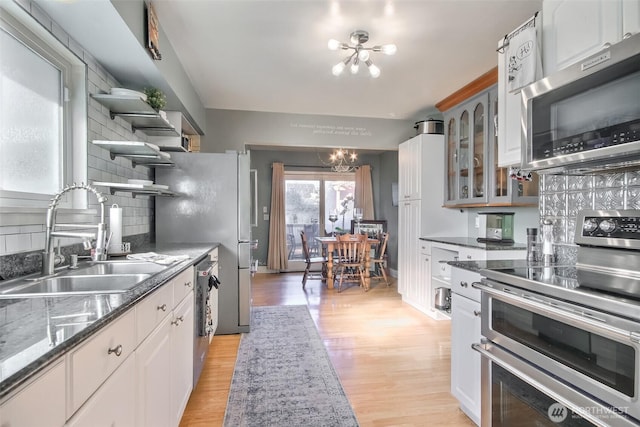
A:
[562, 343]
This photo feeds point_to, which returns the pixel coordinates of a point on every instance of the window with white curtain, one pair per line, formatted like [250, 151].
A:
[42, 88]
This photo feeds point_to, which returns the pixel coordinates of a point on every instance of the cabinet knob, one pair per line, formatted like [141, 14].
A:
[468, 256]
[188, 284]
[177, 321]
[117, 350]
[464, 284]
[607, 45]
[162, 307]
[477, 313]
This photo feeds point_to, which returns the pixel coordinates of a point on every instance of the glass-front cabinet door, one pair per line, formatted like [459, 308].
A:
[452, 159]
[466, 135]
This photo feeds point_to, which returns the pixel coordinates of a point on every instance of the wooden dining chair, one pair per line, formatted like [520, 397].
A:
[350, 258]
[380, 258]
[311, 261]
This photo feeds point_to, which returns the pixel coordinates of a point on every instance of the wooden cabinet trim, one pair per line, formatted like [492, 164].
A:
[478, 85]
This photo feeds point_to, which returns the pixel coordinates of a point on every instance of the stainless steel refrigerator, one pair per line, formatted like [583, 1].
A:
[213, 206]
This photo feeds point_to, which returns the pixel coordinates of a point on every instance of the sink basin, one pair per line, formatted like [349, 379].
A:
[117, 267]
[76, 285]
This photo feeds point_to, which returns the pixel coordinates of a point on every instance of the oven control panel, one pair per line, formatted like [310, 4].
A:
[609, 228]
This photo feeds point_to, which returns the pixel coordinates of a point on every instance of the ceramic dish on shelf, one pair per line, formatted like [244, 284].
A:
[140, 181]
[159, 186]
[127, 92]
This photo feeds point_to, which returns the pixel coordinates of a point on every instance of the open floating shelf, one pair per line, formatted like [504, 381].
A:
[137, 112]
[140, 153]
[135, 189]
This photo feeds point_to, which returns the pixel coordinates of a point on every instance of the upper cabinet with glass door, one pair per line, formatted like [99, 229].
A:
[466, 136]
[473, 177]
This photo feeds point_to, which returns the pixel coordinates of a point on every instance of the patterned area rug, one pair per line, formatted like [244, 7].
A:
[283, 375]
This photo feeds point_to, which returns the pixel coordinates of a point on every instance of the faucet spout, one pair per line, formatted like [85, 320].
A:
[100, 252]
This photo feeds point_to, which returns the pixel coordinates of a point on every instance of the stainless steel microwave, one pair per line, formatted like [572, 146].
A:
[587, 116]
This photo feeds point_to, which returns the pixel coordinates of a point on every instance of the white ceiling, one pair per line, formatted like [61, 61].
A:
[266, 55]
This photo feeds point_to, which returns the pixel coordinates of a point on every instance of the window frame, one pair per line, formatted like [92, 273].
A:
[73, 127]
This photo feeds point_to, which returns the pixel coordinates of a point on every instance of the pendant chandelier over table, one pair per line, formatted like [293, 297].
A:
[342, 160]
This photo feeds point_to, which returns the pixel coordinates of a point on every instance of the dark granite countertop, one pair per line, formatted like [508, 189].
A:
[476, 266]
[473, 243]
[30, 339]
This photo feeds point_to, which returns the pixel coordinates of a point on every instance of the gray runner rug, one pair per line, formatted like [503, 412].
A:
[283, 375]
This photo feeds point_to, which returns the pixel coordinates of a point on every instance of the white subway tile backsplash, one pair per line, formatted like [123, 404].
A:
[18, 243]
[31, 228]
[11, 229]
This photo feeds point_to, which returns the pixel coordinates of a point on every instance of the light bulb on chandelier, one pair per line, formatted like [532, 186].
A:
[342, 160]
[359, 54]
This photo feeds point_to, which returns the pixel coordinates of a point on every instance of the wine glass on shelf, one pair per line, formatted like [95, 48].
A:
[333, 217]
[357, 215]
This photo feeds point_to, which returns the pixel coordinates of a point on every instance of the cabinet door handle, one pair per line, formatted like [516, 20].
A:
[464, 284]
[162, 307]
[607, 45]
[468, 256]
[188, 284]
[117, 350]
[477, 313]
[178, 320]
[627, 35]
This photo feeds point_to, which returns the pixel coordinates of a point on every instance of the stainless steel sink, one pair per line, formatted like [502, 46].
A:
[74, 285]
[117, 267]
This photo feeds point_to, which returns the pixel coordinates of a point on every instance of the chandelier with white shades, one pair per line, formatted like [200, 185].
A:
[360, 53]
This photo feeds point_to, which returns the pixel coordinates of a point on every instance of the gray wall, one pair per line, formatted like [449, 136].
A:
[232, 130]
[389, 175]
[383, 172]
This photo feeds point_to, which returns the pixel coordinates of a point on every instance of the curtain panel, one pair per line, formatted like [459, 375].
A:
[277, 256]
[364, 192]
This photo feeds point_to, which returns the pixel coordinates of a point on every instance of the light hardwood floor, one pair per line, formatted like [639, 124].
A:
[393, 361]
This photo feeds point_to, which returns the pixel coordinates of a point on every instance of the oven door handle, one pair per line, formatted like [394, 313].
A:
[582, 320]
[563, 394]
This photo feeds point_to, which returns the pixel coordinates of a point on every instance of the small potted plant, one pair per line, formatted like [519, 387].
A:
[155, 98]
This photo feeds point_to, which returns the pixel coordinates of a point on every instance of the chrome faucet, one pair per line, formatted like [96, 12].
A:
[100, 250]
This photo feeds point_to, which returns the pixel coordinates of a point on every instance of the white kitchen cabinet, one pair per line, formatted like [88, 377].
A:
[181, 357]
[465, 362]
[409, 182]
[408, 252]
[39, 403]
[576, 29]
[114, 404]
[419, 212]
[153, 368]
[509, 104]
[164, 359]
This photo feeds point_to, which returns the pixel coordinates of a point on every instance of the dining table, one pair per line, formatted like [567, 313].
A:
[329, 244]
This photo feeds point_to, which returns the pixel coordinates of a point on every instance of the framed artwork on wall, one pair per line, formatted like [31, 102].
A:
[153, 37]
[372, 227]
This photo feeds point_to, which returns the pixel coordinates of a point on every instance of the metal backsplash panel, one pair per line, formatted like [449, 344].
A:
[562, 197]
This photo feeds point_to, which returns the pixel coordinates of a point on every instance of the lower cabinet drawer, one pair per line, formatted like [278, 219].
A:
[94, 361]
[182, 285]
[461, 281]
[152, 310]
